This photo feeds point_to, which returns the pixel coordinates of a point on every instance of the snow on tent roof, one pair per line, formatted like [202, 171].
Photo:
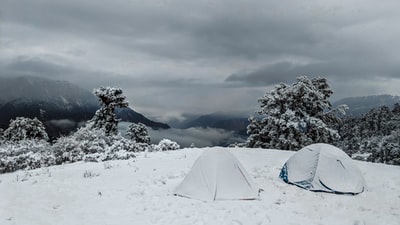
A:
[217, 175]
[323, 167]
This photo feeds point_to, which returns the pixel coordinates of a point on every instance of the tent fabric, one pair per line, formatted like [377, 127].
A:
[217, 175]
[323, 167]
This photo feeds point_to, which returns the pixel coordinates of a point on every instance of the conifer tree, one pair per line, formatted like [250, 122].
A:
[138, 133]
[105, 117]
[295, 116]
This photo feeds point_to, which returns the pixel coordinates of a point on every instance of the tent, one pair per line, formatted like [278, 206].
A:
[217, 175]
[323, 167]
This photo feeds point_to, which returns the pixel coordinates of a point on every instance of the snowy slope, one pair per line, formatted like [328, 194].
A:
[139, 191]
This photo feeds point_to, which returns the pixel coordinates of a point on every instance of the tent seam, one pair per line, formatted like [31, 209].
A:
[316, 166]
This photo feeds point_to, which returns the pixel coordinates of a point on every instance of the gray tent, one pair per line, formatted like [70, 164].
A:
[217, 175]
[323, 167]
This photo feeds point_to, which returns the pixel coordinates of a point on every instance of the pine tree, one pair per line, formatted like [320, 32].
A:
[388, 149]
[105, 117]
[138, 133]
[295, 116]
[1, 135]
[377, 133]
[253, 130]
[25, 129]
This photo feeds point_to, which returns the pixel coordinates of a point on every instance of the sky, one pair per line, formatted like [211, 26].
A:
[175, 58]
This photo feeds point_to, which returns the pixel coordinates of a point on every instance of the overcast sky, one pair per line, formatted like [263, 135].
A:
[191, 56]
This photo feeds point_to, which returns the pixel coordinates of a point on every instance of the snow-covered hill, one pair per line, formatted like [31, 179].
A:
[139, 191]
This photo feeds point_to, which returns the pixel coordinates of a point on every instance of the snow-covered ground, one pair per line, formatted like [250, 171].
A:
[139, 191]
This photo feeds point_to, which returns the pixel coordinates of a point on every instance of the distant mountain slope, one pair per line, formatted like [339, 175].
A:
[129, 115]
[361, 105]
[221, 121]
[59, 104]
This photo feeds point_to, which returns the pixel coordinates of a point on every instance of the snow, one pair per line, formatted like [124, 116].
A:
[139, 191]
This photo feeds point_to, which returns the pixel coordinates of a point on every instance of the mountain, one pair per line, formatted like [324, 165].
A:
[62, 106]
[129, 115]
[141, 191]
[361, 105]
[235, 123]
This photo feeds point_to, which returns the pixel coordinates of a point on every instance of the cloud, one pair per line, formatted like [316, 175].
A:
[24, 65]
[200, 137]
[64, 123]
[287, 72]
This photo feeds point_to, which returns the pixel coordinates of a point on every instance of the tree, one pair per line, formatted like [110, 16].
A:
[138, 133]
[253, 130]
[388, 149]
[105, 117]
[376, 133]
[1, 135]
[295, 116]
[25, 129]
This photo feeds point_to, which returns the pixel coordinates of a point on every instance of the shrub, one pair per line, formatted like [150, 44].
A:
[26, 154]
[25, 129]
[166, 145]
[94, 145]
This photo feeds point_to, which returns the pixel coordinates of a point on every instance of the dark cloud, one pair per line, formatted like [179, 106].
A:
[287, 72]
[187, 30]
[23, 66]
[202, 56]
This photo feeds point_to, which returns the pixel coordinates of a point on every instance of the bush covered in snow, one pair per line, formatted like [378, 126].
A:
[166, 145]
[292, 117]
[23, 145]
[25, 128]
[138, 133]
[25, 154]
[94, 145]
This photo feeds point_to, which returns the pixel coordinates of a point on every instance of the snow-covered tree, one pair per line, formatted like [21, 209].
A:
[105, 117]
[376, 133]
[138, 133]
[25, 129]
[385, 149]
[253, 130]
[295, 116]
[1, 135]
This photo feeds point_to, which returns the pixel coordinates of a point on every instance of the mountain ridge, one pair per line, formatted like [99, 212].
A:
[54, 101]
[362, 104]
